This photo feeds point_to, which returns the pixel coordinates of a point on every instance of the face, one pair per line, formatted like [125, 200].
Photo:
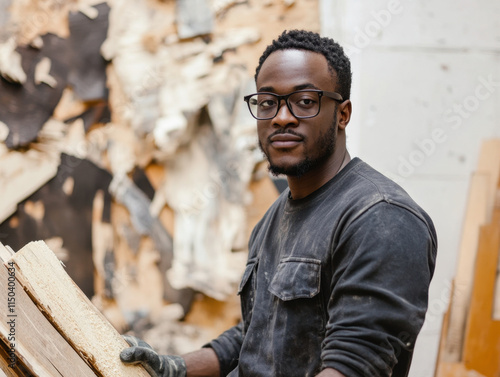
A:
[296, 146]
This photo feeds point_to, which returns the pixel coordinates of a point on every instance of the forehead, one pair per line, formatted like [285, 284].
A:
[288, 70]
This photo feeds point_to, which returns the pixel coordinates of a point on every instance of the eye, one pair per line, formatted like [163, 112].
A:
[305, 101]
[267, 103]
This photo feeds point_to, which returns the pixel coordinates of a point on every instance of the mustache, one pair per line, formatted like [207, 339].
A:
[282, 131]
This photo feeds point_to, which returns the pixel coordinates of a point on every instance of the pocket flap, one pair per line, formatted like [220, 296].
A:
[246, 275]
[296, 278]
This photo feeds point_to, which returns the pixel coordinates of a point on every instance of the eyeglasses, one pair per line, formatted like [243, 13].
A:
[301, 103]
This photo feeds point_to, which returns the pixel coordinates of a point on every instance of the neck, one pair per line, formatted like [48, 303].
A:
[300, 187]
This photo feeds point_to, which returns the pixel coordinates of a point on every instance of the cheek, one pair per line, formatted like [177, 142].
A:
[318, 130]
[325, 123]
[261, 130]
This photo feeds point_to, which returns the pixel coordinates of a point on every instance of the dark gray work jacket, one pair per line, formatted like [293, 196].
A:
[338, 279]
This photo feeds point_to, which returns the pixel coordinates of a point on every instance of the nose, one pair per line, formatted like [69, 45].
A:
[284, 118]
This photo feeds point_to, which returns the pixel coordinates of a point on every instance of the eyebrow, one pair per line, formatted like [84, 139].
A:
[297, 87]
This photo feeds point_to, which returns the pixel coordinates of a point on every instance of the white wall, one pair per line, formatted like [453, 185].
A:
[426, 93]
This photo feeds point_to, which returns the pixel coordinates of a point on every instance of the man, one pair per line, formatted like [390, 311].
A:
[339, 267]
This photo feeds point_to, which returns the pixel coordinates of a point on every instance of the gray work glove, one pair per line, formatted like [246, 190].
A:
[157, 365]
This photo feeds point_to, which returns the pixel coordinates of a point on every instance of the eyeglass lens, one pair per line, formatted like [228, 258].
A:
[302, 104]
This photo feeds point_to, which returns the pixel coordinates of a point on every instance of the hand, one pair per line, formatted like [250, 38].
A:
[157, 365]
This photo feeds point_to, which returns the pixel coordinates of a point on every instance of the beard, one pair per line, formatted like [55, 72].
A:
[324, 148]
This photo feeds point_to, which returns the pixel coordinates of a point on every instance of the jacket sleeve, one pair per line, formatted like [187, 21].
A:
[383, 264]
[227, 348]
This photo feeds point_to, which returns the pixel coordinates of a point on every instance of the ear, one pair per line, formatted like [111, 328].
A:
[344, 113]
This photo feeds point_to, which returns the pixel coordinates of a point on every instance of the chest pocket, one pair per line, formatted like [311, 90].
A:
[247, 275]
[296, 278]
[246, 291]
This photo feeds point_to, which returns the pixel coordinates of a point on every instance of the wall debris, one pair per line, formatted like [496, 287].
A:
[126, 145]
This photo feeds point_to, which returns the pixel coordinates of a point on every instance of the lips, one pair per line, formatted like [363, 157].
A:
[285, 140]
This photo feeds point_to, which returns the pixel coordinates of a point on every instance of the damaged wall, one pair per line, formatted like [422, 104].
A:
[127, 147]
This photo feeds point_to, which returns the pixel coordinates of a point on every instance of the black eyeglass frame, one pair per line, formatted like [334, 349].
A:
[333, 95]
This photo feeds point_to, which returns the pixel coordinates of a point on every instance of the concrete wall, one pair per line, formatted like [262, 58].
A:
[426, 93]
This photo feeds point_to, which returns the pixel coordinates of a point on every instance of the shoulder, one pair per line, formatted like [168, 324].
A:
[368, 183]
[387, 222]
[363, 187]
[392, 239]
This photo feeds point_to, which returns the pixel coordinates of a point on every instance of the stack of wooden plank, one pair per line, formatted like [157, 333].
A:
[470, 341]
[48, 326]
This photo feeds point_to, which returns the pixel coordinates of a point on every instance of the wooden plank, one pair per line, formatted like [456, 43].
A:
[496, 298]
[476, 215]
[37, 344]
[5, 252]
[489, 164]
[478, 212]
[69, 310]
[456, 370]
[441, 369]
[9, 370]
[482, 340]
[481, 334]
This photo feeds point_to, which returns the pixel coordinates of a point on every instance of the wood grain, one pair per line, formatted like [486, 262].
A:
[70, 311]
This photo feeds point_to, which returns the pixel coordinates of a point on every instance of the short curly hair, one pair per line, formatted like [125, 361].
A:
[337, 60]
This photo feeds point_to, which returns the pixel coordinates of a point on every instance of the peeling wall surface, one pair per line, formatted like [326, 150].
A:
[126, 145]
[426, 93]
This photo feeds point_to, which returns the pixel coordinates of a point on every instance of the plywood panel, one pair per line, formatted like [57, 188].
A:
[478, 213]
[482, 338]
